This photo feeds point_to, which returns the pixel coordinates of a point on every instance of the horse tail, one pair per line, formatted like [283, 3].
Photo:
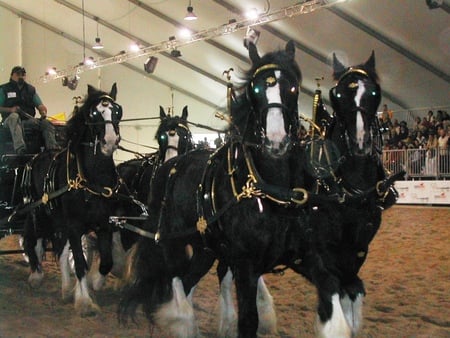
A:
[148, 281]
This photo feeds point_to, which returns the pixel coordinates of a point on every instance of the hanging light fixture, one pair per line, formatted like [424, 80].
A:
[98, 42]
[190, 15]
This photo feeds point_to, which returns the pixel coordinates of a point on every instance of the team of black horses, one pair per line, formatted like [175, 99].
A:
[265, 200]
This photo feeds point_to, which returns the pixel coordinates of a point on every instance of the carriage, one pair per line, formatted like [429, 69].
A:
[11, 170]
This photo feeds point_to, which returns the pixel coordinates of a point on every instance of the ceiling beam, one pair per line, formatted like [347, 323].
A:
[104, 54]
[390, 43]
[306, 49]
[140, 41]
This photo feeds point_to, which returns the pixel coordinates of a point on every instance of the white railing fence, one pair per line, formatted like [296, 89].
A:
[418, 163]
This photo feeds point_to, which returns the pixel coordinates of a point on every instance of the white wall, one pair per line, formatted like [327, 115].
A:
[10, 43]
[139, 95]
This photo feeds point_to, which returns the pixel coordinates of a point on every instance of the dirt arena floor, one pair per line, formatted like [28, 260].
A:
[407, 278]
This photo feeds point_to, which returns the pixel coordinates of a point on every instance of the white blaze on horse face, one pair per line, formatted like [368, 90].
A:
[275, 131]
[172, 146]
[109, 143]
[359, 120]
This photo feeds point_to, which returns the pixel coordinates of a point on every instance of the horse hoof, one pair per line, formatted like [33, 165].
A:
[87, 309]
[35, 279]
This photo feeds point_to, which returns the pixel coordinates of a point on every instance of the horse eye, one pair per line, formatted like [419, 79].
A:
[374, 93]
[338, 95]
[256, 90]
[293, 89]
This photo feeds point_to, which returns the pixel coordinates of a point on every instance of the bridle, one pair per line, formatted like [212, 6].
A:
[252, 91]
[95, 117]
[335, 96]
[184, 143]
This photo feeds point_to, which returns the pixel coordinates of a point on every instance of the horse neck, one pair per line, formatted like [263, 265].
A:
[95, 166]
[356, 172]
[286, 171]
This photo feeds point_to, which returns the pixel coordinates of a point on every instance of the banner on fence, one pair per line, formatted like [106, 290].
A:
[423, 192]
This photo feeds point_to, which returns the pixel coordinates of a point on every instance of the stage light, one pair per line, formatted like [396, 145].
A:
[150, 64]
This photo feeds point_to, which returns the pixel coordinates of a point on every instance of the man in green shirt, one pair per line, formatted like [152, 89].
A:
[18, 101]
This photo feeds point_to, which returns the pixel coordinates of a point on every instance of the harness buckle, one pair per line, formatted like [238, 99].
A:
[300, 201]
[108, 193]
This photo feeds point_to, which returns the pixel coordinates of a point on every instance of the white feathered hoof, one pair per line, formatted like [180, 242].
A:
[86, 308]
[267, 319]
[177, 316]
[98, 281]
[336, 326]
[35, 279]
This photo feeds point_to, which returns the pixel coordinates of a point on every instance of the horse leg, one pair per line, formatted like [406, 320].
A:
[84, 304]
[352, 302]
[64, 266]
[267, 321]
[227, 312]
[266, 310]
[330, 321]
[104, 242]
[246, 281]
[34, 249]
[177, 315]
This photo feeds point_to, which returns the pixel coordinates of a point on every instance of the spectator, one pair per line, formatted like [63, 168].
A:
[18, 101]
[443, 145]
[430, 157]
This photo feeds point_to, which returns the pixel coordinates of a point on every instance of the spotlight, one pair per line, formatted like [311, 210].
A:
[89, 61]
[175, 53]
[71, 83]
[98, 44]
[134, 47]
[51, 71]
[190, 13]
[150, 64]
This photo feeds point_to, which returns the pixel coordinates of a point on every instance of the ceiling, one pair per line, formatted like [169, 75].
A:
[410, 40]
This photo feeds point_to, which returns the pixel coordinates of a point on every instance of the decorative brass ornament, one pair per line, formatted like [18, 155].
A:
[271, 81]
[201, 225]
[44, 198]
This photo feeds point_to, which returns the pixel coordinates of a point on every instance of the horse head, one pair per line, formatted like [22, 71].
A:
[96, 122]
[272, 91]
[173, 134]
[355, 100]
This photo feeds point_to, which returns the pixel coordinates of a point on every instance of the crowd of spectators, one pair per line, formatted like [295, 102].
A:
[430, 132]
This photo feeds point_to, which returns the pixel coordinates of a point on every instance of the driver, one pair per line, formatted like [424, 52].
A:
[18, 100]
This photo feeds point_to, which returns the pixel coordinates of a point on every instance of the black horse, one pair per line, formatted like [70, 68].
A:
[73, 192]
[174, 138]
[242, 204]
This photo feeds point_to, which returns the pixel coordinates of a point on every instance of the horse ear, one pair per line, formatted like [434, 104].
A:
[113, 92]
[162, 113]
[91, 90]
[290, 49]
[184, 114]
[338, 67]
[370, 63]
[253, 53]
